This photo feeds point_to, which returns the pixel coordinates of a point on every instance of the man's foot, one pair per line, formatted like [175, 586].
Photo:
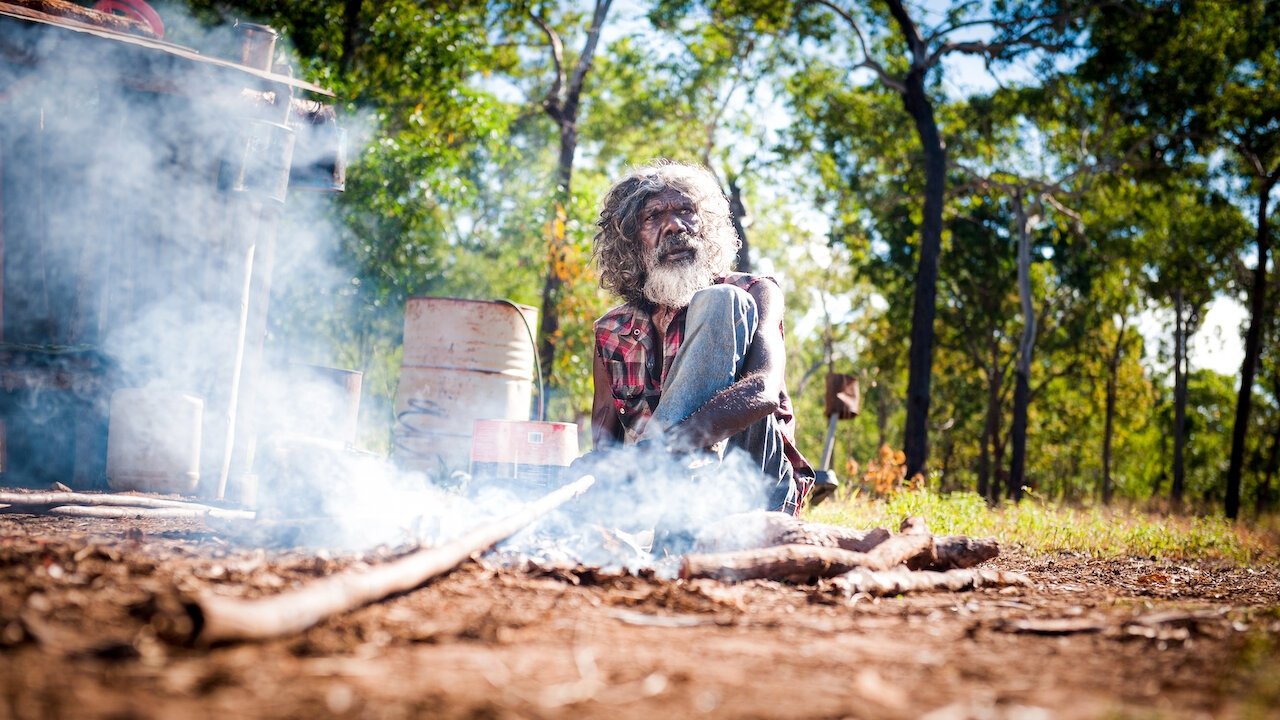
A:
[825, 485]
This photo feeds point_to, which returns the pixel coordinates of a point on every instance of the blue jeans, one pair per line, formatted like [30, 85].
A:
[720, 326]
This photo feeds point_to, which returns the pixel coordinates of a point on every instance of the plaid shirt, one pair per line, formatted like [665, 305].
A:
[625, 343]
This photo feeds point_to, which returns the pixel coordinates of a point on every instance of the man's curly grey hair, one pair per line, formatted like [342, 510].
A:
[617, 250]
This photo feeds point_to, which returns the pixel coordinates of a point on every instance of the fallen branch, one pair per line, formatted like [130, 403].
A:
[140, 512]
[111, 505]
[53, 499]
[746, 531]
[218, 619]
[903, 580]
[803, 563]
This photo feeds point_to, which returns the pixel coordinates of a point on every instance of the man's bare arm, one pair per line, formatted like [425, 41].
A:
[756, 394]
[606, 426]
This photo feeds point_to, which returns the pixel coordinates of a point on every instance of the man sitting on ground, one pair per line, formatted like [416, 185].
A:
[693, 360]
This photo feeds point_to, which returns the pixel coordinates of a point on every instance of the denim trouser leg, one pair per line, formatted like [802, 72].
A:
[720, 325]
[718, 328]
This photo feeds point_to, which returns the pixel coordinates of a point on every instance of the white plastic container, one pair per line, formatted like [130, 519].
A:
[153, 441]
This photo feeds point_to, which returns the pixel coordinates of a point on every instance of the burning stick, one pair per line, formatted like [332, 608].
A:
[804, 562]
[220, 619]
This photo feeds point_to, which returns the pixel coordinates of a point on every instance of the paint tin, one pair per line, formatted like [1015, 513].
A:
[525, 454]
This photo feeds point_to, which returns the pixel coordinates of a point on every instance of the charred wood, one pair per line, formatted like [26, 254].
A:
[803, 563]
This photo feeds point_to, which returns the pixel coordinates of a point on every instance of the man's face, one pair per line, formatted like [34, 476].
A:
[669, 229]
[676, 260]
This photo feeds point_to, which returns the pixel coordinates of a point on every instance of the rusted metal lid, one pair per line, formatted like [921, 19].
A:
[11, 11]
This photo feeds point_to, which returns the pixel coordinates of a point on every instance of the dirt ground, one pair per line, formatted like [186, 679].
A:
[86, 607]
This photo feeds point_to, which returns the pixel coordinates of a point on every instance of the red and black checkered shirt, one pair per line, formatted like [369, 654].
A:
[625, 343]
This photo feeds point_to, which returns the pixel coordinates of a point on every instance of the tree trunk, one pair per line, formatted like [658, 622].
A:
[1022, 391]
[737, 211]
[984, 459]
[991, 428]
[1262, 500]
[1252, 350]
[924, 309]
[549, 323]
[563, 108]
[1161, 475]
[350, 29]
[1108, 428]
[1018, 454]
[1179, 398]
[882, 415]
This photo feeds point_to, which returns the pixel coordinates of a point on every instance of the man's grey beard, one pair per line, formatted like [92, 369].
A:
[673, 284]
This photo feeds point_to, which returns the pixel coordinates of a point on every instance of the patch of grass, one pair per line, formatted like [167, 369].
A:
[1040, 526]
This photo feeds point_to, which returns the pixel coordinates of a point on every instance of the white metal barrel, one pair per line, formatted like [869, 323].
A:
[464, 360]
[153, 441]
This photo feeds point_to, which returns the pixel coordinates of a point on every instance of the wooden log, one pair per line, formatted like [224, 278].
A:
[746, 531]
[802, 563]
[951, 552]
[959, 552]
[755, 530]
[902, 580]
[221, 619]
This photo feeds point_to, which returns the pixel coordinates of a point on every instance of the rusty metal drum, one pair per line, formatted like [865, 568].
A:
[464, 360]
